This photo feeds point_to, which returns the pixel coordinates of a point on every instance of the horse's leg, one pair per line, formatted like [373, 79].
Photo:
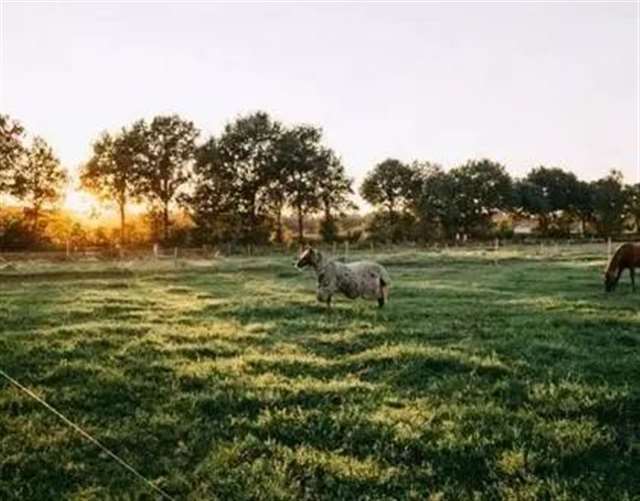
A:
[620, 270]
[632, 272]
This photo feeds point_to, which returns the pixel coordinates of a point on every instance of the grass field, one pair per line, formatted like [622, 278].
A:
[490, 375]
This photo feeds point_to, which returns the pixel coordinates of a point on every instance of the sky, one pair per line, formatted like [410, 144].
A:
[553, 84]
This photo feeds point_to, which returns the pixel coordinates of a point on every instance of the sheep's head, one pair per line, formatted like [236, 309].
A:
[307, 257]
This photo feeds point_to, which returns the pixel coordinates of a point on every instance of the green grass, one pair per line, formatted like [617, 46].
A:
[496, 375]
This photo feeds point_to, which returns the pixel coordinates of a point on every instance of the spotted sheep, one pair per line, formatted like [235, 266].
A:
[359, 279]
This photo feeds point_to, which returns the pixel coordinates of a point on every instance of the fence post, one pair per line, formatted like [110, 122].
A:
[496, 244]
[609, 249]
[156, 250]
[68, 249]
[346, 248]
[175, 256]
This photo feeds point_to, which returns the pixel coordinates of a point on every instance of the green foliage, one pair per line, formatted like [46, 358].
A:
[383, 229]
[435, 205]
[390, 186]
[258, 168]
[11, 150]
[335, 189]
[235, 178]
[39, 180]
[483, 188]
[16, 233]
[300, 165]
[632, 198]
[463, 200]
[164, 150]
[112, 173]
[329, 229]
[547, 193]
[502, 376]
[609, 203]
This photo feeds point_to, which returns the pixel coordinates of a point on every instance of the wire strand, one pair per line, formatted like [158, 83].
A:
[86, 435]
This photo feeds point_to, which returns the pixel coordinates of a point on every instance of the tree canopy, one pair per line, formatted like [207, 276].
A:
[40, 180]
[11, 151]
[165, 150]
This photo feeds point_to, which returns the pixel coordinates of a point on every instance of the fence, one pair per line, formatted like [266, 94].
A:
[343, 249]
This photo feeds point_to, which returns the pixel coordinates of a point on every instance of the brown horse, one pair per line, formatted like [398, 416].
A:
[627, 256]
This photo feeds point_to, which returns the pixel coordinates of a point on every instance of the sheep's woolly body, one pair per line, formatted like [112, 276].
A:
[361, 279]
[364, 279]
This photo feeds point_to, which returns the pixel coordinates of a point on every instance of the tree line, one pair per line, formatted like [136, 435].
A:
[421, 201]
[260, 180]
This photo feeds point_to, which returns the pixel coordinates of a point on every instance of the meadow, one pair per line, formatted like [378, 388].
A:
[490, 375]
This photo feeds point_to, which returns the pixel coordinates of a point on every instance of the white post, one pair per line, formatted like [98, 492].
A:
[156, 250]
[496, 244]
[346, 248]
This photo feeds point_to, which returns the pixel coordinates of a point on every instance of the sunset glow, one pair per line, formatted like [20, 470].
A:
[80, 202]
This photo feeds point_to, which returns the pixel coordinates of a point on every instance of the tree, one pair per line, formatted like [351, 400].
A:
[311, 176]
[11, 150]
[633, 204]
[609, 202]
[582, 204]
[111, 173]
[435, 204]
[212, 203]
[299, 167]
[390, 186]
[548, 194]
[483, 188]
[166, 149]
[335, 190]
[236, 177]
[40, 180]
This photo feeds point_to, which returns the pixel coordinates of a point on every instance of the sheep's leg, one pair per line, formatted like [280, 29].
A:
[383, 294]
[382, 298]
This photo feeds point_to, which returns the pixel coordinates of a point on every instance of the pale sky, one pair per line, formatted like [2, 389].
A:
[524, 84]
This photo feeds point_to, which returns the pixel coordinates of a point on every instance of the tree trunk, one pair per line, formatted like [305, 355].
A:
[165, 221]
[543, 224]
[279, 233]
[327, 212]
[122, 223]
[300, 224]
[36, 216]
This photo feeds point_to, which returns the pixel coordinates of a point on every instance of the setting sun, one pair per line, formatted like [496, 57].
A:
[80, 202]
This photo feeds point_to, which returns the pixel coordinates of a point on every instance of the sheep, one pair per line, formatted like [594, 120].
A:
[360, 279]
